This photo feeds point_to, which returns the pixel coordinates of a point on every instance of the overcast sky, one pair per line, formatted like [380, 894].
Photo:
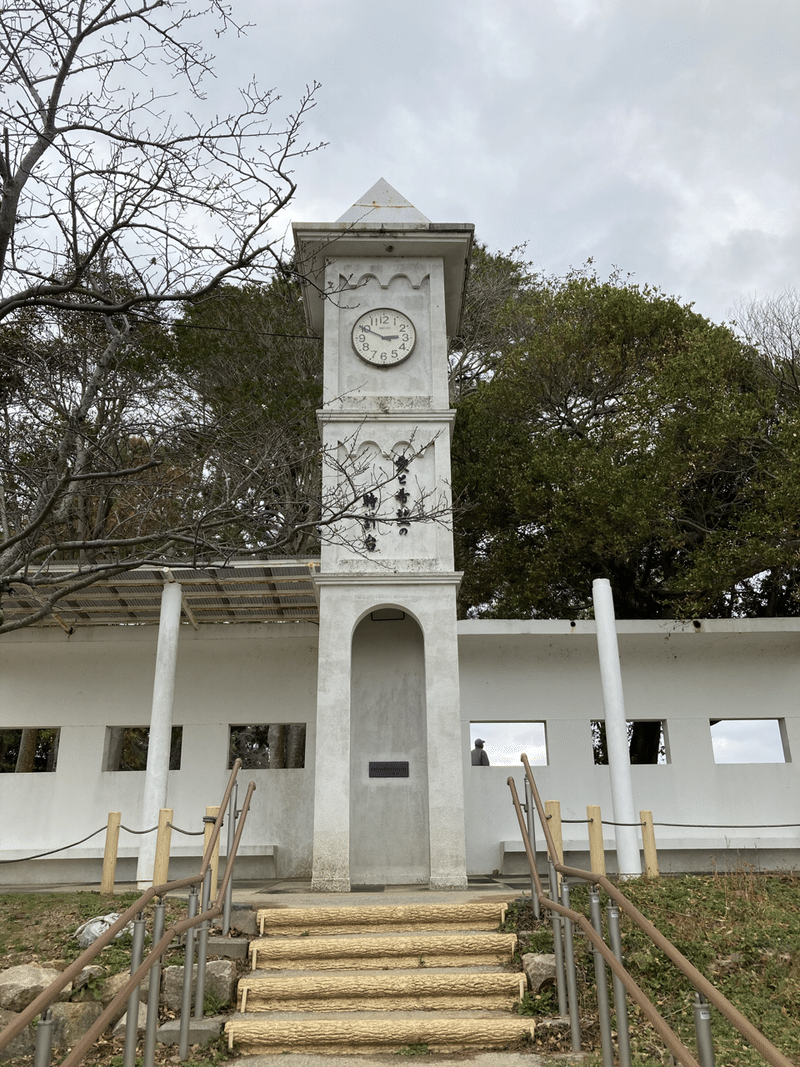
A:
[661, 137]
[658, 136]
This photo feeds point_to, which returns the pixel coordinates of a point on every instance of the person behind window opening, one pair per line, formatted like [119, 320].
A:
[479, 757]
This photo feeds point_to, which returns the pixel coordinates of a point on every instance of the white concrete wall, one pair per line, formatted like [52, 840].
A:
[103, 676]
[548, 671]
[545, 671]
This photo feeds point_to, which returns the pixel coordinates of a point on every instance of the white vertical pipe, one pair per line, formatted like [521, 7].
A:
[628, 859]
[156, 776]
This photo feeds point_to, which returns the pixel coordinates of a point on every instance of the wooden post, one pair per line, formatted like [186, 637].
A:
[597, 853]
[163, 843]
[110, 854]
[212, 813]
[552, 809]
[649, 844]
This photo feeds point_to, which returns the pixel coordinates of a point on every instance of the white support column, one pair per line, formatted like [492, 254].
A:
[157, 774]
[331, 859]
[619, 763]
[445, 770]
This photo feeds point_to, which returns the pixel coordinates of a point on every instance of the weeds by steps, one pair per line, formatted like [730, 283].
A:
[538, 1005]
[414, 1050]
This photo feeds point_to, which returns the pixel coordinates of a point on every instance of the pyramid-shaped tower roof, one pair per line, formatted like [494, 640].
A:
[383, 206]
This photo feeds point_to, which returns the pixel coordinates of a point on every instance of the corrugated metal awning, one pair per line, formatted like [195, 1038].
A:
[252, 591]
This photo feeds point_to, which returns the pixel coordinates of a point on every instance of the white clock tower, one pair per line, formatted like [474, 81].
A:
[385, 289]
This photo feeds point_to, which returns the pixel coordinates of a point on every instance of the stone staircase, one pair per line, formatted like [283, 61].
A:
[380, 979]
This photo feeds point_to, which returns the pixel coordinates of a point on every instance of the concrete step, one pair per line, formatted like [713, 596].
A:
[378, 953]
[380, 1035]
[381, 991]
[403, 917]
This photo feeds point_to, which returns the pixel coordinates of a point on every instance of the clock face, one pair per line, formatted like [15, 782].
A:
[384, 337]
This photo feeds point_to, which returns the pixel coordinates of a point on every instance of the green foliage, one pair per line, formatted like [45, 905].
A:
[618, 434]
[519, 916]
[540, 940]
[741, 931]
[414, 1050]
[250, 352]
[39, 754]
[258, 371]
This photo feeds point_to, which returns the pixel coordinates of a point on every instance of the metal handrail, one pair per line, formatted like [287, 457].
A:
[759, 1042]
[46, 998]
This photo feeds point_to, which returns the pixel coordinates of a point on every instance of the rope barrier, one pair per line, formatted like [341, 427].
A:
[53, 851]
[700, 825]
[730, 826]
[63, 848]
[189, 833]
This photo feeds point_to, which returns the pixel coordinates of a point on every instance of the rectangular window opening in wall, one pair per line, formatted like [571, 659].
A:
[749, 741]
[268, 747]
[647, 741]
[28, 749]
[503, 742]
[126, 748]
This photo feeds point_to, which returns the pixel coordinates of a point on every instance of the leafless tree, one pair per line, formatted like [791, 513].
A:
[772, 325]
[113, 211]
[97, 169]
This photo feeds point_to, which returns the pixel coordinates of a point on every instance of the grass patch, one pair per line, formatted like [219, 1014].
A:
[741, 930]
[40, 927]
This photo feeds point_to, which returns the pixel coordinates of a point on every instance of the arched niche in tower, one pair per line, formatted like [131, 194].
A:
[389, 832]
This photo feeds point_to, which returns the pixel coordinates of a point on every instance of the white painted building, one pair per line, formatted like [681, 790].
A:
[364, 651]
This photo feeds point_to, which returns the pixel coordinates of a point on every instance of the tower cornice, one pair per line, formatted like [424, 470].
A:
[316, 243]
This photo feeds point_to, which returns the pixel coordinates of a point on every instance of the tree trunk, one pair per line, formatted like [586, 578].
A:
[114, 753]
[645, 741]
[296, 745]
[52, 751]
[277, 735]
[27, 751]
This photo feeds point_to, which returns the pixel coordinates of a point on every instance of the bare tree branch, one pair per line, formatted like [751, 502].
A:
[93, 172]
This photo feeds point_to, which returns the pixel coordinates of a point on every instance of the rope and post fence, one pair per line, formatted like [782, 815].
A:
[647, 826]
[594, 819]
[163, 831]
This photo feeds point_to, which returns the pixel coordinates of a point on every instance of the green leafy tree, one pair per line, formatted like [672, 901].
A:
[258, 374]
[493, 316]
[621, 435]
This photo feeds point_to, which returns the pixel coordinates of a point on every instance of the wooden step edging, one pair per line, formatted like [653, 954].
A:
[381, 1035]
[375, 953]
[383, 992]
[321, 920]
